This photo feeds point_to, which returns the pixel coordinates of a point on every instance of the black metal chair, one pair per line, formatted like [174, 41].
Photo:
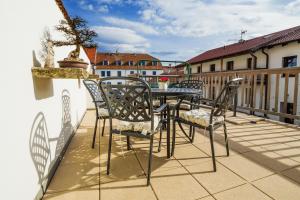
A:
[192, 84]
[208, 120]
[131, 104]
[100, 106]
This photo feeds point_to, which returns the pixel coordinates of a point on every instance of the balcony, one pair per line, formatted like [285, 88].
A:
[263, 164]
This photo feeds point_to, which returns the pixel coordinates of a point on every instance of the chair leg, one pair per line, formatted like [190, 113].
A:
[211, 137]
[109, 152]
[173, 137]
[95, 131]
[193, 134]
[159, 144]
[150, 161]
[190, 131]
[226, 139]
[103, 126]
[128, 143]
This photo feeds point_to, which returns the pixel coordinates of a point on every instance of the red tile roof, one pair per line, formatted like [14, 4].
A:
[124, 57]
[279, 37]
[91, 53]
[126, 67]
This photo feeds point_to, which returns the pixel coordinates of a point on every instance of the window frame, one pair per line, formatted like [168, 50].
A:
[231, 66]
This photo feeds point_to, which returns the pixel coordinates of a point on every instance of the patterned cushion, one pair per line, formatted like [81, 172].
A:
[200, 117]
[144, 127]
[103, 112]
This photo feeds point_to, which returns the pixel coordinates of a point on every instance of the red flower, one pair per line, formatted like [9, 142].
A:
[163, 79]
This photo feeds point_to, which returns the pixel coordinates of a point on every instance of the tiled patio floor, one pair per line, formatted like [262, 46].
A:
[264, 163]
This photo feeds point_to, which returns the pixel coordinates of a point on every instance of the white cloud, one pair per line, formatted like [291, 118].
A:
[103, 9]
[86, 6]
[136, 26]
[121, 38]
[293, 7]
[192, 18]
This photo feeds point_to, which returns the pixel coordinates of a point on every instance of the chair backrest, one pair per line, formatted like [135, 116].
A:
[129, 101]
[226, 97]
[94, 91]
[193, 84]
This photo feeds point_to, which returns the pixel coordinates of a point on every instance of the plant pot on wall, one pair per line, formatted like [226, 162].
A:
[72, 64]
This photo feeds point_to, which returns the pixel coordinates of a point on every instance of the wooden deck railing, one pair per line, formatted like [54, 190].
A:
[267, 91]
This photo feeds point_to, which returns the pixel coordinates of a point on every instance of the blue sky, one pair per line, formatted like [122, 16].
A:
[181, 29]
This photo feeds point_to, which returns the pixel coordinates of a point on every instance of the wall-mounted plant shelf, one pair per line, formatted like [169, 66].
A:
[62, 73]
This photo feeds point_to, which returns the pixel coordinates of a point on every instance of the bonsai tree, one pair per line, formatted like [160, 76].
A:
[77, 33]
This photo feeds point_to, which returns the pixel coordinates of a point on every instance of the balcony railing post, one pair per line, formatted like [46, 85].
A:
[235, 104]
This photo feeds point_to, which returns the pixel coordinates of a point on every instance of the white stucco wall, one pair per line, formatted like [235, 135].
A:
[126, 72]
[276, 55]
[23, 97]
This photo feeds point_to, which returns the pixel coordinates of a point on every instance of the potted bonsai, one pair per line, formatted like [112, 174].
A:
[76, 33]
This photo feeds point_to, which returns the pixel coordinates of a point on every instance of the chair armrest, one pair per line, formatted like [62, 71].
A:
[161, 108]
[177, 106]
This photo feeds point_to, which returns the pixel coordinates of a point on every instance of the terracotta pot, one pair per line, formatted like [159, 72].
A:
[72, 64]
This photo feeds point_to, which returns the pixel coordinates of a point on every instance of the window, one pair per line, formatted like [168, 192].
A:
[119, 83]
[109, 83]
[249, 63]
[131, 72]
[118, 62]
[108, 73]
[212, 67]
[229, 65]
[142, 63]
[130, 63]
[199, 69]
[119, 73]
[154, 63]
[290, 61]
[102, 73]
[144, 73]
[105, 62]
[153, 73]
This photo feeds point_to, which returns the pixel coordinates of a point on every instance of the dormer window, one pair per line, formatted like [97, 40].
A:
[118, 62]
[105, 62]
[154, 63]
[130, 63]
[142, 63]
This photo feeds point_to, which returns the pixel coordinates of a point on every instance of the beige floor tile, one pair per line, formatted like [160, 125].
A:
[271, 160]
[279, 187]
[122, 168]
[245, 167]
[78, 194]
[74, 176]
[134, 189]
[244, 192]
[188, 151]
[177, 187]
[293, 173]
[207, 198]
[217, 181]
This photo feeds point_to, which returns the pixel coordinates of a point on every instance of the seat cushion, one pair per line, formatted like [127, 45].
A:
[200, 117]
[103, 112]
[144, 127]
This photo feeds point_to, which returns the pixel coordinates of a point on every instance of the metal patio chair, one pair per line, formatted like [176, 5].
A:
[100, 106]
[210, 118]
[131, 104]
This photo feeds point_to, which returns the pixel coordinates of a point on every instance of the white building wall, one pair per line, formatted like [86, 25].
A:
[24, 98]
[126, 72]
[276, 55]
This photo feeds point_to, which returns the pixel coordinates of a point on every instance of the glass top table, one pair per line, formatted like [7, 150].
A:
[175, 91]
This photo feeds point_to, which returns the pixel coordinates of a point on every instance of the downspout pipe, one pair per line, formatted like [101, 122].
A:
[253, 67]
[266, 78]
[254, 60]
